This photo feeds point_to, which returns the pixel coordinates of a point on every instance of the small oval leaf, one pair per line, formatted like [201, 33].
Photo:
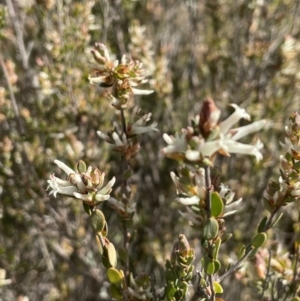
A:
[127, 174]
[259, 239]
[114, 276]
[116, 292]
[112, 255]
[210, 229]
[217, 205]
[218, 288]
[242, 252]
[98, 220]
[217, 265]
[226, 237]
[261, 225]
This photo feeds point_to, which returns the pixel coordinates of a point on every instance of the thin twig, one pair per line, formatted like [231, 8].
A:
[123, 122]
[19, 33]
[237, 265]
[295, 270]
[13, 101]
[269, 221]
[267, 276]
[208, 215]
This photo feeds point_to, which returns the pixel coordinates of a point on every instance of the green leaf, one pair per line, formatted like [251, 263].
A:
[112, 255]
[87, 208]
[98, 220]
[216, 248]
[209, 265]
[262, 224]
[217, 265]
[217, 205]
[104, 232]
[218, 288]
[116, 292]
[226, 237]
[114, 276]
[127, 174]
[170, 291]
[109, 257]
[276, 220]
[99, 244]
[253, 252]
[81, 166]
[259, 239]
[210, 229]
[241, 252]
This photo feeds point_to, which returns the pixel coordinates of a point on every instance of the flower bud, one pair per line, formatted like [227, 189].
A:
[209, 117]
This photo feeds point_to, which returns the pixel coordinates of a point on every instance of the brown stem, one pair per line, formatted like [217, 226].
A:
[208, 215]
[270, 220]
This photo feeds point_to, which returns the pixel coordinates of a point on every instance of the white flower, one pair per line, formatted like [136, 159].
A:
[176, 144]
[139, 127]
[91, 193]
[223, 139]
[141, 92]
[227, 140]
[59, 186]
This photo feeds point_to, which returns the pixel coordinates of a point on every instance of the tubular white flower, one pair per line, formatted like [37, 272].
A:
[137, 130]
[100, 197]
[190, 218]
[107, 187]
[234, 118]
[117, 139]
[194, 200]
[247, 129]
[75, 187]
[246, 149]
[97, 79]
[211, 147]
[64, 167]
[104, 137]
[55, 184]
[141, 92]
[83, 197]
[233, 205]
[175, 179]
[295, 193]
[177, 144]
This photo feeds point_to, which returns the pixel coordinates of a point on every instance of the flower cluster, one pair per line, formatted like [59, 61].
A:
[191, 192]
[287, 189]
[85, 184]
[207, 136]
[127, 142]
[122, 77]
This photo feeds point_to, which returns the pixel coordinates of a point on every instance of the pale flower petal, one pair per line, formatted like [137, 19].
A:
[190, 218]
[194, 200]
[84, 197]
[108, 186]
[117, 139]
[246, 149]
[101, 197]
[234, 118]
[247, 129]
[64, 167]
[141, 92]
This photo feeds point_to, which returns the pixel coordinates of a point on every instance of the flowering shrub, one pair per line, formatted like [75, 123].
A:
[141, 204]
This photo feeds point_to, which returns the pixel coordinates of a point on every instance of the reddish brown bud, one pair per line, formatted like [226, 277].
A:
[209, 117]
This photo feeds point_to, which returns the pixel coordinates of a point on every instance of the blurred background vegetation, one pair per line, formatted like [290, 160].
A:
[243, 52]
